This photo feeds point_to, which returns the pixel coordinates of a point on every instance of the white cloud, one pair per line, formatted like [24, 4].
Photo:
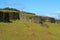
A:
[55, 14]
[52, 15]
[57, 11]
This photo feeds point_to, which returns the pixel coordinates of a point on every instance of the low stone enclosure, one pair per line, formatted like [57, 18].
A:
[7, 16]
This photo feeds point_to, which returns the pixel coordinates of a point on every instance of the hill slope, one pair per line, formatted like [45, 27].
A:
[24, 30]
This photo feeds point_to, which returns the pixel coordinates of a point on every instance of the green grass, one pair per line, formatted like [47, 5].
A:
[24, 30]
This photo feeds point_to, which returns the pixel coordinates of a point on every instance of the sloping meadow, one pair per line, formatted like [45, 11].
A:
[24, 30]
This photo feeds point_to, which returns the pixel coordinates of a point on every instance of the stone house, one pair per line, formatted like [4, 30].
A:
[49, 19]
[24, 17]
[7, 15]
[57, 21]
[36, 19]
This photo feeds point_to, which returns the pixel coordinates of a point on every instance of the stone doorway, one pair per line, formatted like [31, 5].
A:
[1, 16]
[6, 17]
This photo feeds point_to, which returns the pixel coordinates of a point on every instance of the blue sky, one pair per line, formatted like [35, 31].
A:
[40, 7]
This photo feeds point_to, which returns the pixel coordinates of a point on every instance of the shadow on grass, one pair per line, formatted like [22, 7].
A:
[6, 21]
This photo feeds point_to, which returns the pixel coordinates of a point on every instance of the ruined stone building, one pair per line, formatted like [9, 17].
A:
[36, 19]
[24, 17]
[7, 15]
[57, 21]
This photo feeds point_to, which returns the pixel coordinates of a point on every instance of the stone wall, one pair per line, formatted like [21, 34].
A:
[7, 16]
[1, 16]
[57, 21]
[14, 16]
[23, 17]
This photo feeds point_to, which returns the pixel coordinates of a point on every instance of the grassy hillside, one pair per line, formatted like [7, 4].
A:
[24, 30]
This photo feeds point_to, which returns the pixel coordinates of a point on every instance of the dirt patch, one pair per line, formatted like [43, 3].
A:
[49, 33]
[45, 25]
[1, 30]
